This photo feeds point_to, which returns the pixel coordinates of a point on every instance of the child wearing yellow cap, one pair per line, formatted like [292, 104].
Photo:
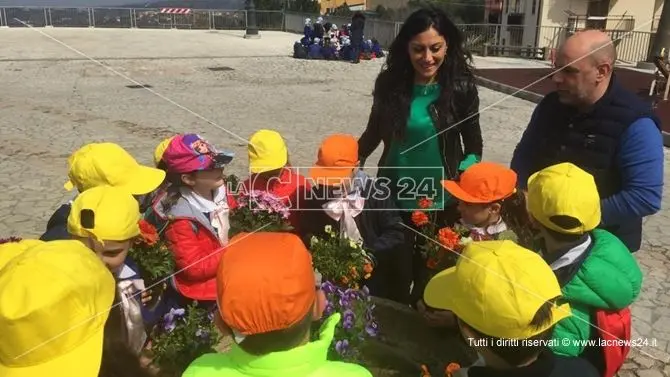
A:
[148, 201]
[270, 311]
[106, 220]
[102, 164]
[55, 298]
[271, 172]
[597, 273]
[507, 302]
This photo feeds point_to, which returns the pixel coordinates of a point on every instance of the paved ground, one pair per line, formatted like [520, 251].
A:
[52, 102]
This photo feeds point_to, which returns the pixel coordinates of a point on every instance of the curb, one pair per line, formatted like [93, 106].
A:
[530, 96]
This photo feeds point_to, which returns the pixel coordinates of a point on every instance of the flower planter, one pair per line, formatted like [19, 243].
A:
[404, 343]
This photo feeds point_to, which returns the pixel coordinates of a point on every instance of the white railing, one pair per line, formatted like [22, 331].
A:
[633, 47]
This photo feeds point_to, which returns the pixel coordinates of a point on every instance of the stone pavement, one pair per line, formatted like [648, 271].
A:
[52, 102]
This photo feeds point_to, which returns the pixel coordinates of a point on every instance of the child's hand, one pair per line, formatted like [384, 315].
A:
[146, 296]
[440, 318]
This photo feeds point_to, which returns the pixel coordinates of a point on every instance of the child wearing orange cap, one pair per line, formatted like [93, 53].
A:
[345, 198]
[481, 192]
[269, 311]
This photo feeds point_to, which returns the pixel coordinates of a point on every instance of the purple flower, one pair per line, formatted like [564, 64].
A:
[328, 287]
[372, 328]
[341, 346]
[348, 319]
[330, 309]
[351, 295]
[170, 319]
[368, 313]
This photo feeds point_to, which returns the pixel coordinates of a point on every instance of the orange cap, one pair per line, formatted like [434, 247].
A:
[265, 282]
[338, 156]
[484, 182]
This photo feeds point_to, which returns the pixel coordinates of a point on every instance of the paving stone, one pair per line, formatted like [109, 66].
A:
[629, 366]
[644, 361]
[662, 324]
[642, 313]
[52, 109]
[656, 353]
[649, 373]
[666, 370]
[626, 373]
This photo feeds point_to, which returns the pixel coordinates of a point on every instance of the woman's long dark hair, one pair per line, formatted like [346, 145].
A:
[117, 359]
[393, 87]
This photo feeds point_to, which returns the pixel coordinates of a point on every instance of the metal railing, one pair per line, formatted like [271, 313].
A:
[632, 46]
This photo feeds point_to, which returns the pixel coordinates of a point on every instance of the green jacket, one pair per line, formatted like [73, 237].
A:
[308, 360]
[609, 278]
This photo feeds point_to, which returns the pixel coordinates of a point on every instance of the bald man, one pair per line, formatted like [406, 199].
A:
[595, 123]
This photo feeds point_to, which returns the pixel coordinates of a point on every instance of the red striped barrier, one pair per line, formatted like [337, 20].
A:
[176, 10]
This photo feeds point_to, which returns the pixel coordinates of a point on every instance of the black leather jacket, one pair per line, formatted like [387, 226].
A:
[462, 137]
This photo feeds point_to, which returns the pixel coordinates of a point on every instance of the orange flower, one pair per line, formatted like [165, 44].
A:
[432, 263]
[419, 218]
[344, 280]
[367, 269]
[354, 273]
[448, 238]
[425, 203]
[451, 369]
[148, 233]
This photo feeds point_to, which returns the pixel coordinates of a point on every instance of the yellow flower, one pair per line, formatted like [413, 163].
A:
[329, 230]
[313, 240]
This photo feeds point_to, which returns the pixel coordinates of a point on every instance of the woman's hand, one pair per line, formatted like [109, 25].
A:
[146, 296]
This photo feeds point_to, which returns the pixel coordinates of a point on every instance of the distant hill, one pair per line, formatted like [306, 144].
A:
[195, 4]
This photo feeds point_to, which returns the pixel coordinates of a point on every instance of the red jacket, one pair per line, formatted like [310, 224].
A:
[195, 246]
[290, 187]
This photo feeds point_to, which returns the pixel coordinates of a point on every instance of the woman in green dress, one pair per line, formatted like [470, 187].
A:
[425, 112]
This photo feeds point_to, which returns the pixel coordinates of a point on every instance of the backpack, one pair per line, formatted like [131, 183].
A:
[611, 326]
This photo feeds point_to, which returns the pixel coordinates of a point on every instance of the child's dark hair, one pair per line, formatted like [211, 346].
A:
[519, 352]
[564, 222]
[117, 359]
[279, 340]
[174, 182]
[514, 214]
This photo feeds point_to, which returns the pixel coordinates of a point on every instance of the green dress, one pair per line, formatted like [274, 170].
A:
[419, 172]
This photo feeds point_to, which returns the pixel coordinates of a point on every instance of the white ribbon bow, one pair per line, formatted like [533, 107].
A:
[345, 210]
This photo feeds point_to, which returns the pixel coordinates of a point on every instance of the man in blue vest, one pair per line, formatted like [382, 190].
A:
[596, 124]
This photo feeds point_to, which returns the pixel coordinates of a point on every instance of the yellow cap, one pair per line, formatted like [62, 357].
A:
[160, 149]
[106, 213]
[10, 250]
[564, 190]
[54, 301]
[497, 287]
[267, 151]
[99, 164]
